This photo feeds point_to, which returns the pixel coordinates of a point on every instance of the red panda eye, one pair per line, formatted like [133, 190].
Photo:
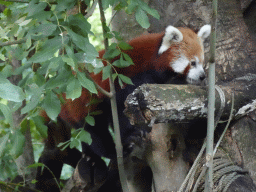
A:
[193, 63]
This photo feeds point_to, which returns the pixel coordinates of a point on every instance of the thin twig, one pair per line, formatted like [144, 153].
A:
[91, 10]
[21, 1]
[119, 147]
[103, 91]
[113, 15]
[12, 42]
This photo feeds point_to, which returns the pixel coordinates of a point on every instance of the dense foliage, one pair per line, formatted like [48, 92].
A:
[50, 40]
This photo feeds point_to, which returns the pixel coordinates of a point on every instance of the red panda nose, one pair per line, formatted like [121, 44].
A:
[202, 77]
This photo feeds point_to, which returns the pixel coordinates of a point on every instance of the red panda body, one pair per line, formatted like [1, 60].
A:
[146, 58]
[176, 53]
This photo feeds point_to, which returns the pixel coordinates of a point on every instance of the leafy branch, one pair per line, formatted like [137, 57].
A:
[103, 91]
[119, 147]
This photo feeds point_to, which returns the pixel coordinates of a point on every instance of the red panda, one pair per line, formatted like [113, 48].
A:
[175, 53]
[178, 50]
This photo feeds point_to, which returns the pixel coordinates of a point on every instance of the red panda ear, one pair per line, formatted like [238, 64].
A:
[204, 32]
[172, 34]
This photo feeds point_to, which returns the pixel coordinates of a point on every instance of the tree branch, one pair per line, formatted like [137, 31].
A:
[103, 91]
[149, 104]
[12, 42]
[91, 10]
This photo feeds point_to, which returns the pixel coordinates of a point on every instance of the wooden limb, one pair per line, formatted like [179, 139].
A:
[151, 104]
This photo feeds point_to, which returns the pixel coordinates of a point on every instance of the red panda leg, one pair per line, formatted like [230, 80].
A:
[54, 158]
[102, 141]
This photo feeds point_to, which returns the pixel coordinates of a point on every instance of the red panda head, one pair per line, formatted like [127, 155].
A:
[187, 50]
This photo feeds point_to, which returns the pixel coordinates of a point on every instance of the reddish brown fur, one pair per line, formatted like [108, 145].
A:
[191, 44]
[145, 57]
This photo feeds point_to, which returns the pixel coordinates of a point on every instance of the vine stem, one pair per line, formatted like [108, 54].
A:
[119, 147]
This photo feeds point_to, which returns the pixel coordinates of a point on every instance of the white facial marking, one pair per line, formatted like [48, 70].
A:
[195, 73]
[172, 34]
[180, 64]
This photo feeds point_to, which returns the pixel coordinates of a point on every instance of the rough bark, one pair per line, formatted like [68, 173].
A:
[165, 103]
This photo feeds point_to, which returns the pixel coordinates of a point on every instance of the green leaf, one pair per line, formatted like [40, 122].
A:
[18, 142]
[48, 50]
[34, 7]
[121, 63]
[106, 72]
[55, 63]
[90, 120]
[74, 143]
[127, 58]
[28, 42]
[7, 71]
[40, 126]
[107, 3]
[36, 95]
[44, 30]
[7, 114]
[131, 7]
[52, 105]
[69, 61]
[124, 46]
[114, 76]
[60, 80]
[64, 5]
[81, 24]
[83, 43]
[11, 92]
[112, 52]
[142, 18]
[120, 83]
[84, 136]
[79, 40]
[19, 53]
[121, 5]
[3, 2]
[149, 10]
[125, 79]
[86, 83]
[74, 89]
[3, 142]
